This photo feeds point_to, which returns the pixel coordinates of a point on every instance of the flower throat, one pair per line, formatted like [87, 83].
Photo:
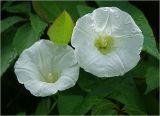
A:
[104, 44]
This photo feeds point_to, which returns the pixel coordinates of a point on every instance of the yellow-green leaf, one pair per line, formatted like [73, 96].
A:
[61, 30]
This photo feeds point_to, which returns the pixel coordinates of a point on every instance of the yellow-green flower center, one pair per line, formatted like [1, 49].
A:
[104, 44]
[52, 78]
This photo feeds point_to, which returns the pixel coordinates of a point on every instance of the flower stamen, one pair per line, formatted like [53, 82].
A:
[52, 78]
[104, 44]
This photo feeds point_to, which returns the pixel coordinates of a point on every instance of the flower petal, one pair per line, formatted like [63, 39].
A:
[122, 23]
[113, 64]
[39, 88]
[36, 63]
[84, 31]
[132, 43]
[85, 54]
[102, 22]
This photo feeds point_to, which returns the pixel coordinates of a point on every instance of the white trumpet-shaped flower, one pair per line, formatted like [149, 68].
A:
[107, 42]
[45, 68]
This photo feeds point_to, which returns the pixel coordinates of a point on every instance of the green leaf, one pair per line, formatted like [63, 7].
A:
[6, 4]
[82, 10]
[21, 114]
[10, 21]
[24, 7]
[152, 102]
[96, 86]
[122, 89]
[46, 10]
[70, 6]
[126, 92]
[49, 10]
[105, 107]
[8, 54]
[138, 16]
[61, 30]
[38, 24]
[147, 71]
[112, 88]
[24, 38]
[87, 103]
[152, 79]
[67, 103]
[45, 106]
[87, 81]
[132, 110]
[92, 84]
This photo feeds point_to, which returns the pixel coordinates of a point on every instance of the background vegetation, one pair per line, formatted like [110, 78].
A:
[137, 92]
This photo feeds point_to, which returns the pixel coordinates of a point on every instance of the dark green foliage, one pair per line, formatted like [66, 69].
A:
[135, 93]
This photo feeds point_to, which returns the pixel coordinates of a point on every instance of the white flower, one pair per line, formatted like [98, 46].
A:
[45, 68]
[107, 42]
